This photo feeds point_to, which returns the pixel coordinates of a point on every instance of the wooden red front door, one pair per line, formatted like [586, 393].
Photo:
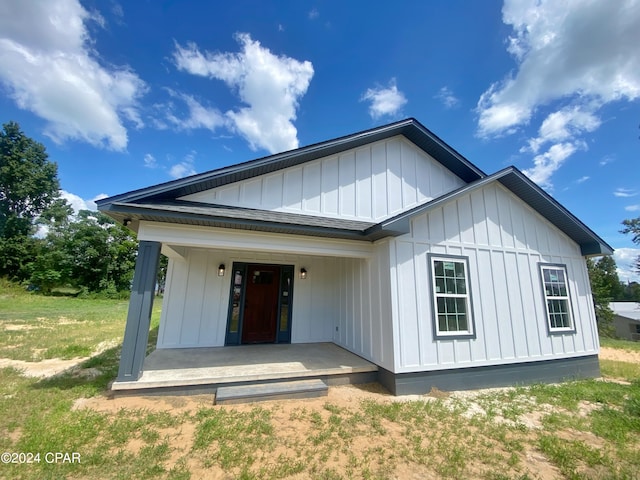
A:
[261, 304]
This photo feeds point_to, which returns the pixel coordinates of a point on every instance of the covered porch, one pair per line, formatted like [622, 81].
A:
[206, 369]
[207, 298]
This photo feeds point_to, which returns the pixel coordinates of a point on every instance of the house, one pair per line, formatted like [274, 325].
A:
[626, 319]
[387, 243]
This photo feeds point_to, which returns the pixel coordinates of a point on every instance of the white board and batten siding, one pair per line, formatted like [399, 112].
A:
[371, 183]
[504, 240]
[364, 322]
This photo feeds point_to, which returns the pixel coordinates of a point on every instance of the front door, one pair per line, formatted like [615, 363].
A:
[261, 304]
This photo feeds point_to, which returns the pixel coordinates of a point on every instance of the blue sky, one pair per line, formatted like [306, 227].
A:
[129, 94]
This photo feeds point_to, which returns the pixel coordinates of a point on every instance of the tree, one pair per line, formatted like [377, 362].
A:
[633, 227]
[28, 185]
[605, 287]
[630, 292]
[90, 252]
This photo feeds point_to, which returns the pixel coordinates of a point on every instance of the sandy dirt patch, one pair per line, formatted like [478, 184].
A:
[20, 327]
[44, 368]
[55, 366]
[619, 355]
[292, 418]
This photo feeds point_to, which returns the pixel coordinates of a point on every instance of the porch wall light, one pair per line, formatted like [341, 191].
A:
[303, 273]
[221, 269]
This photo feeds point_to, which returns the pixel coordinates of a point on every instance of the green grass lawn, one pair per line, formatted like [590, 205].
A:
[621, 344]
[583, 429]
[36, 327]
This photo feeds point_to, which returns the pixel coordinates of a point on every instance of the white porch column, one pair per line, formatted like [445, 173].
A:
[136, 334]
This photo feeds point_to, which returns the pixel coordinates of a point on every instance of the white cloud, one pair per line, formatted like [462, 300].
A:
[632, 208]
[575, 47]
[583, 179]
[49, 67]
[625, 192]
[185, 168]
[384, 101]
[606, 160]
[573, 56]
[546, 163]
[150, 161]
[625, 261]
[78, 203]
[270, 85]
[446, 96]
[565, 124]
[313, 14]
[199, 116]
[117, 10]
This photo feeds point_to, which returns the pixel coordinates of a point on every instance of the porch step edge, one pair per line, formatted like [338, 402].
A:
[271, 391]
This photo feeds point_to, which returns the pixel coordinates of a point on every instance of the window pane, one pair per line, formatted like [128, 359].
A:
[451, 305]
[284, 301]
[462, 322]
[262, 278]
[449, 269]
[451, 285]
[284, 318]
[235, 311]
[438, 268]
[439, 285]
[441, 306]
[462, 288]
[461, 305]
[459, 270]
[452, 324]
[442, 323]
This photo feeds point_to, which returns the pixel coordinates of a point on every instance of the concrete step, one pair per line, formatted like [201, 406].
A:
[271, 391]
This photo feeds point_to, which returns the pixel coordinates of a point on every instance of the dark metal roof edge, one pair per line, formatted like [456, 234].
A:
[260, 225]
[445, 146]
[316, 151]
[391, 224]
[607, 250]
[399, 224]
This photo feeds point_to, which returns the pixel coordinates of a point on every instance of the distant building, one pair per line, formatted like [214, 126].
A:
[626, 319]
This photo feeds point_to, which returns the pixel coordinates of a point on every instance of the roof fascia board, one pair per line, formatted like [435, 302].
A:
[603, 247]
[401, 222]
[266, 225]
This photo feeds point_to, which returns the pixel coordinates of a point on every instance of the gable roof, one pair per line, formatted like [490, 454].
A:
[410, 128]
[518, 183]
[160, 202]
[629, 310]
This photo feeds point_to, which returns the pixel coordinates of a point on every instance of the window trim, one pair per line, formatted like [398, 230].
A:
[470, 333]
[556, 330]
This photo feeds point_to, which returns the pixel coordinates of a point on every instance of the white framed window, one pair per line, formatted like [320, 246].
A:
[451, 296]
[556, 296]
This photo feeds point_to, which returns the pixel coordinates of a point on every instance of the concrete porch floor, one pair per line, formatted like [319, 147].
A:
[211, 367]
